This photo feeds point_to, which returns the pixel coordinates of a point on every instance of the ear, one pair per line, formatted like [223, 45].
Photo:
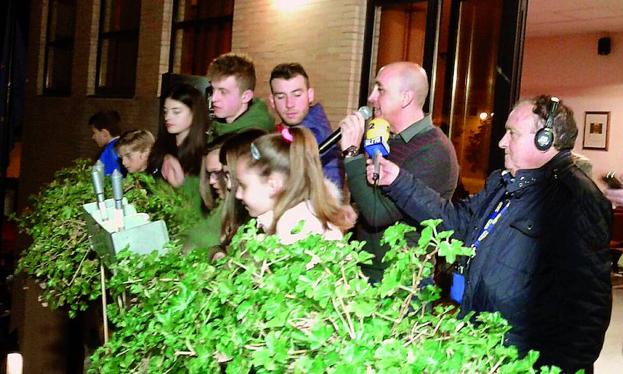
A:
[407, 98]
[143, 155]
[271, 99]
[276, 182]
[247, 96]
[310, 95]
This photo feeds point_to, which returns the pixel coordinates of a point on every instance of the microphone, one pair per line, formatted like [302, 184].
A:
[366, 113]
[376, 144]
[117, 192]
[98, 186]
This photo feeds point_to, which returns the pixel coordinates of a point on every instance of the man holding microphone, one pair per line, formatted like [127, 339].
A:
[416, 145]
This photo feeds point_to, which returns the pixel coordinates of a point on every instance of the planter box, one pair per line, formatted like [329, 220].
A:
[139, 234]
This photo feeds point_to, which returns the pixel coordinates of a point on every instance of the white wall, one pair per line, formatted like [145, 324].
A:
[569, 67]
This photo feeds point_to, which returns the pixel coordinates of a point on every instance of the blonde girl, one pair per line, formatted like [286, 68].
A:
[281, 182]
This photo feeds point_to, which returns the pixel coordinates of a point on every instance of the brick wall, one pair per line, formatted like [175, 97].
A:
[325, 36]
[55, 132]
[55, 128]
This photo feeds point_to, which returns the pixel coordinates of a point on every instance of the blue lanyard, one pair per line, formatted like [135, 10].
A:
[494, 217]
[458, 279]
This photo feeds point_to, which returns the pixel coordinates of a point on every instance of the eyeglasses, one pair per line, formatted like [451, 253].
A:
[217, 174]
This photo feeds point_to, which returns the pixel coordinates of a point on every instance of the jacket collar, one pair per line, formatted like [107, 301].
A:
[528, 177]
[315, 117]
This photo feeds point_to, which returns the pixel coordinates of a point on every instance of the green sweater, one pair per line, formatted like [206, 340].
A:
[207, 232]
[423, 150]
[257, 116]
[204, 229]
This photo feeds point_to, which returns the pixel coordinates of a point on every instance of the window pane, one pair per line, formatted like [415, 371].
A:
[122, 15]
[202, 45]
[58, 70]
[203, 28]
[215, 8]
[118, 47]
[118, 65]
[202, 9]
[59, 47]
[62, 19]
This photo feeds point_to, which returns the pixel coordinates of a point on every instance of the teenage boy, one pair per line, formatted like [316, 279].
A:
[233, 80]
[292, 98]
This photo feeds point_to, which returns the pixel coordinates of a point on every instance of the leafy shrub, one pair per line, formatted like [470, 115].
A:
[60, 258]
[303, 308]
[266, 307]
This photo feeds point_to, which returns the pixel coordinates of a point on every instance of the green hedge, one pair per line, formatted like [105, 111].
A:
[60, 258]
[303, 308]
[266, 307]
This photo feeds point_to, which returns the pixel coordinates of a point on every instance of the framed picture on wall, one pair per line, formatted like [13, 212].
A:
[596, 129]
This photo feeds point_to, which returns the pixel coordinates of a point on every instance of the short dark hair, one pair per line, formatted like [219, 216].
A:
[288, 71]
[239, 66]
[564, 126]
[106, 120]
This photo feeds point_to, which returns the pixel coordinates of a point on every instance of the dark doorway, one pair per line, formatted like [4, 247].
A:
[471, 50]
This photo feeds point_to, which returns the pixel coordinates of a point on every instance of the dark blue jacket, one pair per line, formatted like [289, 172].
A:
[316, 120]
[546, 264]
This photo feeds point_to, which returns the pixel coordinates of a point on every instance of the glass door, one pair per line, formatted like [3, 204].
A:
[471, 50]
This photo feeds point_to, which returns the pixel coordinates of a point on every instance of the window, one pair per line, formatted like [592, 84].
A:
[117, 47]
[59, 47]
[201, 31]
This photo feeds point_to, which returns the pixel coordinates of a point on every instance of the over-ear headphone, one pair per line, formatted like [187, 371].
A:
[544, 138]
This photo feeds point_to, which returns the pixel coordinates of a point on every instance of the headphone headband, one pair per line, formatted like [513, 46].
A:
[554, 102]
[544, 138]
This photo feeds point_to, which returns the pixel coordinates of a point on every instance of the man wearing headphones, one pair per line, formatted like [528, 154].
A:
[540, 231]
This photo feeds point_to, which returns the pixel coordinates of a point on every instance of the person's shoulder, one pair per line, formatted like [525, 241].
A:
[581, 196]
[296, 222]
[436, 136]
[257, 116]
[258, 106]
[110, 146]
[577, 184]
[316, 120]
[300, 210]
[494, 179]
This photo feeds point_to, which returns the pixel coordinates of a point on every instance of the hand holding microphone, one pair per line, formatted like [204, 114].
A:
[376, 143]
[350, 131]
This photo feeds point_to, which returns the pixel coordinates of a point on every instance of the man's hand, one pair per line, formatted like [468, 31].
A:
[172, 171]
[352, 127]
[615, 195]
[388, 172]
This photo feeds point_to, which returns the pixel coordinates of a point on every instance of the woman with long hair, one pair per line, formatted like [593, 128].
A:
[178, 152]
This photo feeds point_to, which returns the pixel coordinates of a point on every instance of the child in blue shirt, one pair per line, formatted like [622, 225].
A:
[105, 127]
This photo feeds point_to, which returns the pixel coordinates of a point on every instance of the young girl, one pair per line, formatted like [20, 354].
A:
[234, 214]
[207, 231]
[178, 152]
[280, 181]
[225, 214]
